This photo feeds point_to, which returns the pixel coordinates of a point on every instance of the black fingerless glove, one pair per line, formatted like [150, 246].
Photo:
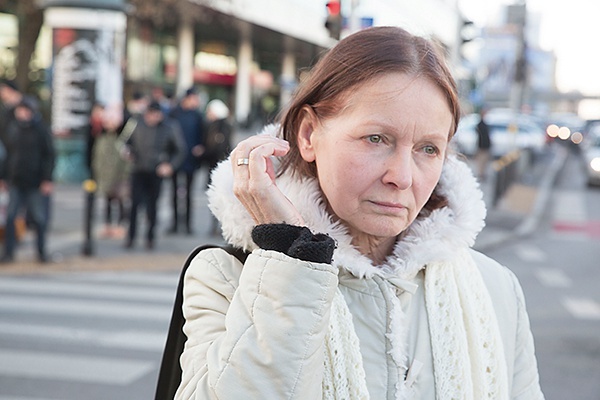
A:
[295, 241]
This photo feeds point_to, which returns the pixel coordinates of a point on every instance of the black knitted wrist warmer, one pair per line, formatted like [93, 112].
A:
[295, 241]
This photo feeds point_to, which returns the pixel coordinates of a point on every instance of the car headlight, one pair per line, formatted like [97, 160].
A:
[595, 164]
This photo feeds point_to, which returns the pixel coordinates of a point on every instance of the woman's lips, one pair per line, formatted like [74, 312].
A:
[389, 207]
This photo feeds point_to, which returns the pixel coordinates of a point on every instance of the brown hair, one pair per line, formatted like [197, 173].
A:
[355, 60]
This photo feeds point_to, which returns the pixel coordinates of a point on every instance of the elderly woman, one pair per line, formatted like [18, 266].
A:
[361, 283]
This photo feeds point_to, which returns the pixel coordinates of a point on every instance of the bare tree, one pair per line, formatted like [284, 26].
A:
[30, 18]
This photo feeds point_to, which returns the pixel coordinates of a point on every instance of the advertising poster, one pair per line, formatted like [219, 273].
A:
[86, 69]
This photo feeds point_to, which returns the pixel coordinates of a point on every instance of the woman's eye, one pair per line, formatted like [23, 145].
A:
[375, 139]
[432, 150]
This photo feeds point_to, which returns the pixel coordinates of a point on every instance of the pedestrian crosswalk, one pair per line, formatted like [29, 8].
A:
[61, 333]
[570, 223]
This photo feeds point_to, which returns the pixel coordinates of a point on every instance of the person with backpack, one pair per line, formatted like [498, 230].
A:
[111, 173]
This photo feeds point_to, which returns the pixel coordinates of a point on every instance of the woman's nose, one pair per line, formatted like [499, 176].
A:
[399, 170]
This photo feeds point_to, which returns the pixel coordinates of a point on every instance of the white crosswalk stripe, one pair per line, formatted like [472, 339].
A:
[553, 277]
[569, 206]
[46, 365]
[582, 308]
[530, 253]
[569, 216]
[100, 328]
[569, 211]
[121, 292]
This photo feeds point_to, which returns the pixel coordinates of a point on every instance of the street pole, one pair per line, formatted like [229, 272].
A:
[519, 18]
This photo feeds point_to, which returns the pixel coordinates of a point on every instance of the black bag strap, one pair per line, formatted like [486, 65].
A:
[169, 376]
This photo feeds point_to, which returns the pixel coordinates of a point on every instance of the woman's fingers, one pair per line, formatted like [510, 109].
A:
[243, 149]
[255, 154]
[254, 180]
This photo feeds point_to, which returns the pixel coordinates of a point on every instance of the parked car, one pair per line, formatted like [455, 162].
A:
[590, 151]
[507, 132]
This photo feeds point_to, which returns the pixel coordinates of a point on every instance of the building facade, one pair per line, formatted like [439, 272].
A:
[250, 54]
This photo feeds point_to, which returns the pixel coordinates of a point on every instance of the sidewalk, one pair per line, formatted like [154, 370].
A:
[519, 211]
[66, 237]
[517, 214]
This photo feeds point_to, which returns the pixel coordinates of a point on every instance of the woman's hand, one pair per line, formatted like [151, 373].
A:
[254, 181]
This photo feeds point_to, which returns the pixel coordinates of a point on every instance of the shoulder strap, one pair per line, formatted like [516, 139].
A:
[169, 376]
[126, 133]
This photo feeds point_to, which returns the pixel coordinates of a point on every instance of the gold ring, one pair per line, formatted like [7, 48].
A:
[243, 161]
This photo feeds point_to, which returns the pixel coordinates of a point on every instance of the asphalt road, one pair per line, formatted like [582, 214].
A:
[559, 268]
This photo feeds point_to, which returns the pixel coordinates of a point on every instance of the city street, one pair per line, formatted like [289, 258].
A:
[559, 271]
[94, 335]
[101, 98]
[96, 332]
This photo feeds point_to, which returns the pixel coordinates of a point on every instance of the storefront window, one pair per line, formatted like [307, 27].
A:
[151, 55]
[8, 45]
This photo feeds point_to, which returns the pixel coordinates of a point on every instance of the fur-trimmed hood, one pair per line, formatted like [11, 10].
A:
[434, 238]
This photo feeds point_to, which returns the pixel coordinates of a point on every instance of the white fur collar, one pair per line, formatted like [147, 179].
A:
[432, 239]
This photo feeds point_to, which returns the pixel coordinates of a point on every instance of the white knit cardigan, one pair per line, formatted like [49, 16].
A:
[467, 348]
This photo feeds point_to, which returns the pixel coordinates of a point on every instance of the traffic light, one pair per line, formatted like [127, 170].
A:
[467, 33]
[334, 18]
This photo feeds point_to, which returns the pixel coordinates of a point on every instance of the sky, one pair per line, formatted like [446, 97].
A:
[570, 28]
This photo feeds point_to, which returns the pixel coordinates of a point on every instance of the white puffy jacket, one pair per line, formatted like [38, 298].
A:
[256, 331]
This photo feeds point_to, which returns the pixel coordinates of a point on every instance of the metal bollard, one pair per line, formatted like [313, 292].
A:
[89, 187]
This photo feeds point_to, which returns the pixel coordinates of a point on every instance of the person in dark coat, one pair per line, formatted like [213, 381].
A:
[156, 148]
[28, 174]
[484, 144]
[188, 115]
[217, 142]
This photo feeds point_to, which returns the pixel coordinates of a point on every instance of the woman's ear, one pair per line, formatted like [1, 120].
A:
[307, 128]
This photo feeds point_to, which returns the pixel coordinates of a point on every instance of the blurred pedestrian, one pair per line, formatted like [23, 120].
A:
[217, 143]
[28, 174]
[156, 148]
[158, 95]
[268, 108]
[217, 140]
[484, 144]
[111, 173]
[188, 115]
[135, 107]
[10, 97]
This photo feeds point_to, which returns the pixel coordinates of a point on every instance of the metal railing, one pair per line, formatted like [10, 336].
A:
[507, 169]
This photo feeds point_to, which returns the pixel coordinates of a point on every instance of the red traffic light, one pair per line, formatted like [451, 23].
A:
[333, 7]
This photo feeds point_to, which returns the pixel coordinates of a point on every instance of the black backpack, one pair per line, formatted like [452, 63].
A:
[169, 376]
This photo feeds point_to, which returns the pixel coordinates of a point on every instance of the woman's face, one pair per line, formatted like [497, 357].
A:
[380, 158]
